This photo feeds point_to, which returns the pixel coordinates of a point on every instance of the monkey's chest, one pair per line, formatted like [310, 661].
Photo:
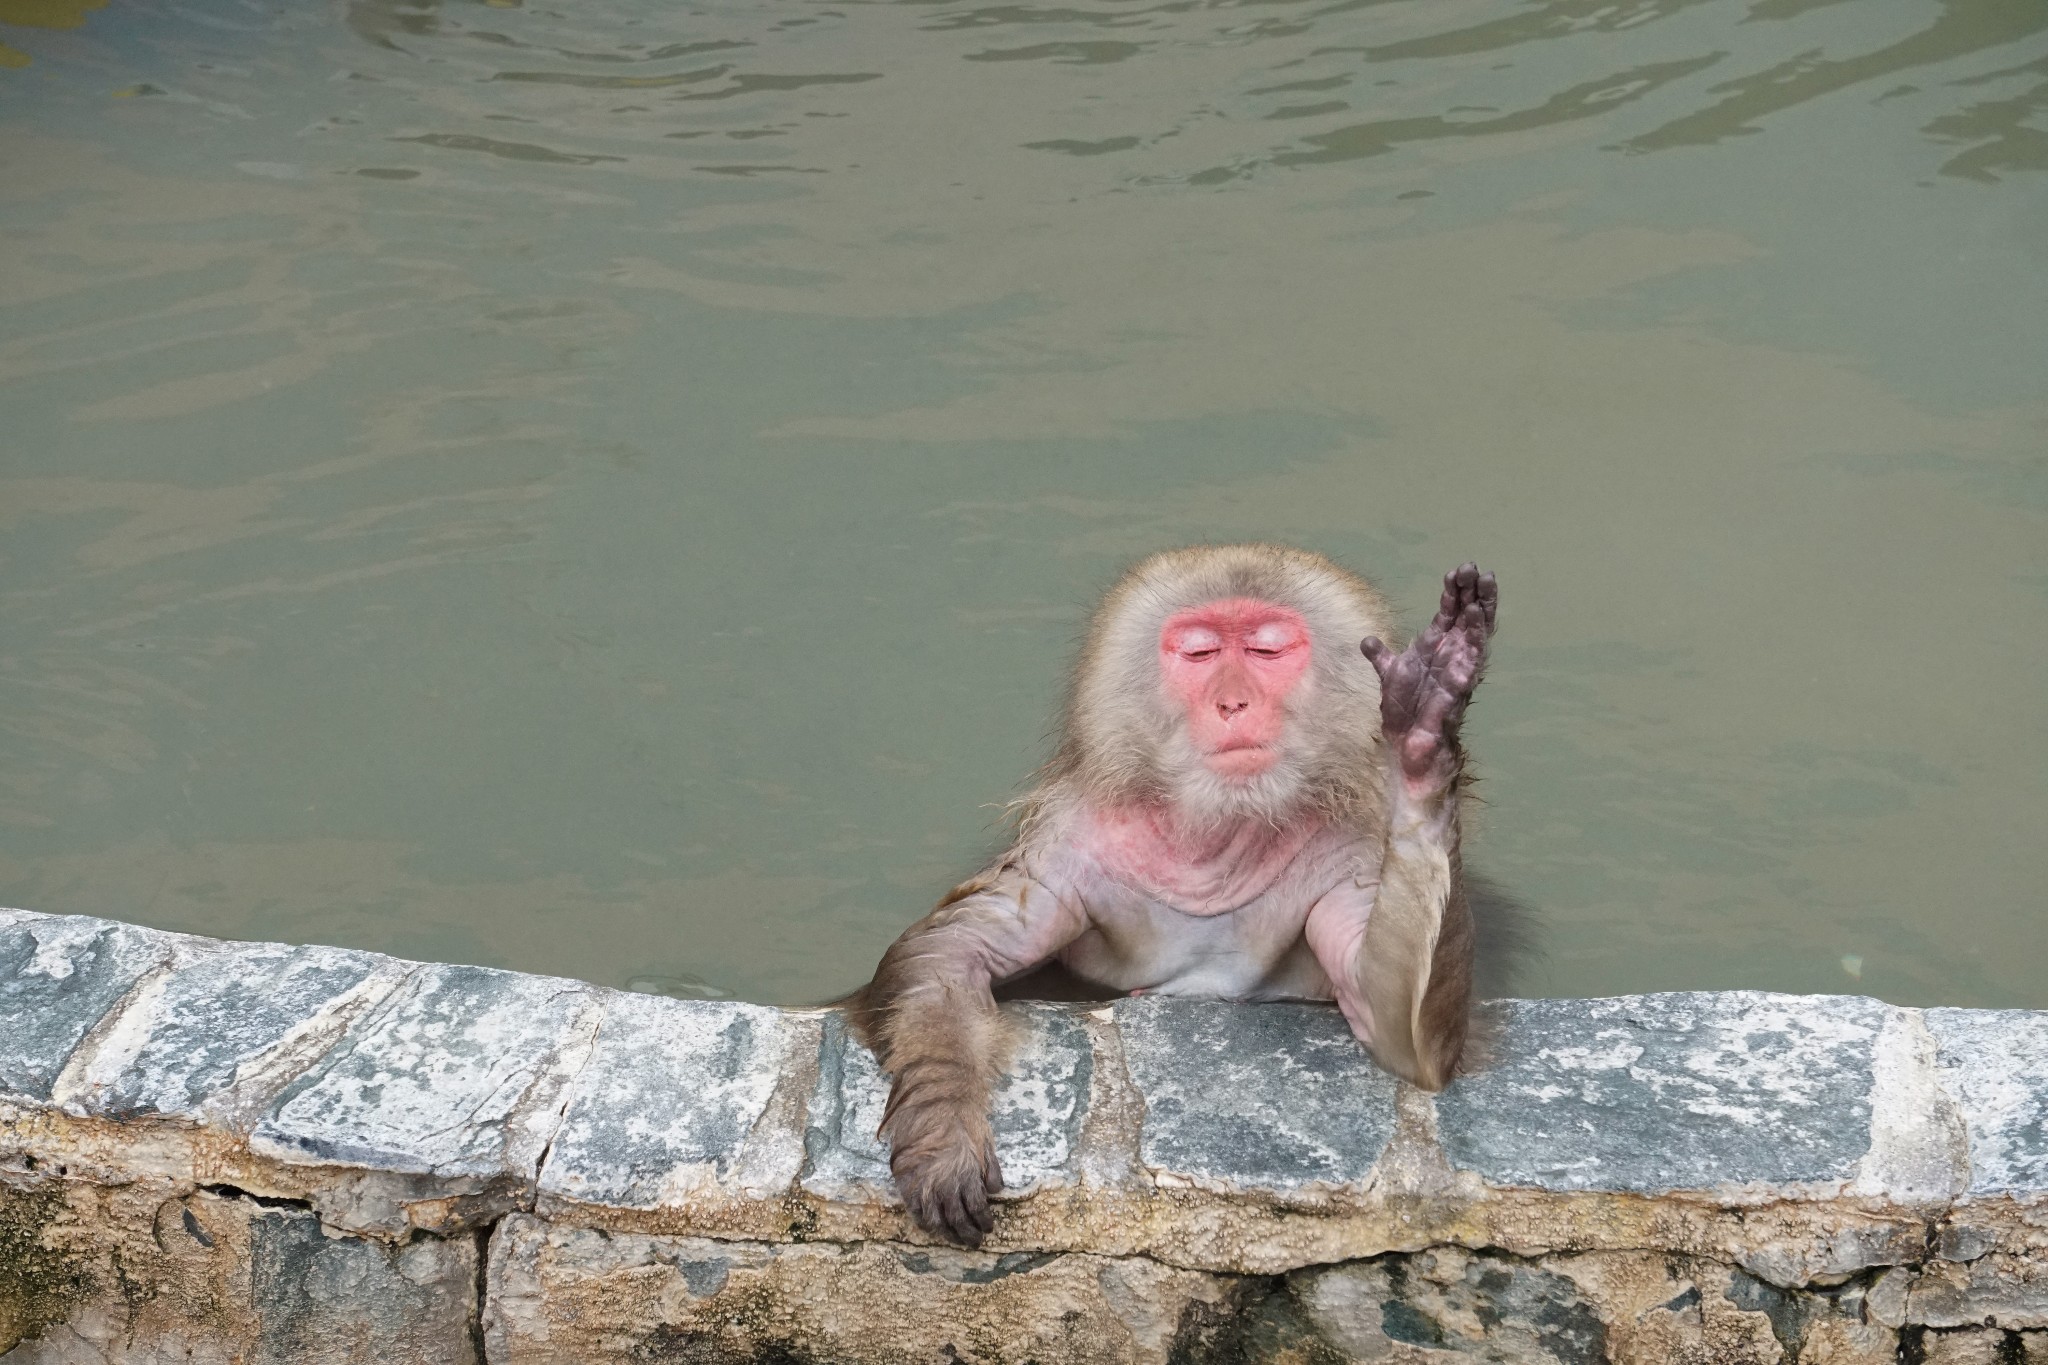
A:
[1219, 875]
[1255, 952]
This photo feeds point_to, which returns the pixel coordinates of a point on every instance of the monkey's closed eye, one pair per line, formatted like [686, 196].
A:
[1199, 656]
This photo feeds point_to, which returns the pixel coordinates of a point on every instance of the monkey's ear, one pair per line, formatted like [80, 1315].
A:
[1415, 971]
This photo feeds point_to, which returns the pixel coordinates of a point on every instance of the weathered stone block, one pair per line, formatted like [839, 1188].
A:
[348, 1300]
[568, 1296]
[1670, 1092]
[1812, 1325]
[142, 1274]
[1996, 1063]
[1448, 1304]
[59, 976]
[1274, 1097]
[676, 1110]
[1038, 1110]
[455, 1086]
[1971, 1346]
[2010, 1291]
[219, 1037]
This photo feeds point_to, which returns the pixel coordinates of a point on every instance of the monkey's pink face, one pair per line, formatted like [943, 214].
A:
[1231, 665]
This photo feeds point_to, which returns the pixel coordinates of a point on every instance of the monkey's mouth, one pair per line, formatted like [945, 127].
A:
[1240, 758]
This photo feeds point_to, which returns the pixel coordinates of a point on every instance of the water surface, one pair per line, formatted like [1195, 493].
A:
[610, 489]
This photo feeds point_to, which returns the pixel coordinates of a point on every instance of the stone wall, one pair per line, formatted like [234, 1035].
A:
[253, 1152]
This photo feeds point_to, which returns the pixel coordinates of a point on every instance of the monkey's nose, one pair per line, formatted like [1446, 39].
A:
[1227, 709]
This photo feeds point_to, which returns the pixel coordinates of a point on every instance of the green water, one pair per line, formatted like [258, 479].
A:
[610, 489]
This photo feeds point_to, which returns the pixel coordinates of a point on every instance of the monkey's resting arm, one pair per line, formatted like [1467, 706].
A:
[931, 1018]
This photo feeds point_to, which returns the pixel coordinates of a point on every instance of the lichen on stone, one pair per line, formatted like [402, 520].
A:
[41, 1280]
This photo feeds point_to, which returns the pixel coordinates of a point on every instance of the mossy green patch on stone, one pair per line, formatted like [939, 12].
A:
[40, 1285]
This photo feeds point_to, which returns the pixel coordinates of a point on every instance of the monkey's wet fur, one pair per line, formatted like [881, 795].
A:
[1254, 797]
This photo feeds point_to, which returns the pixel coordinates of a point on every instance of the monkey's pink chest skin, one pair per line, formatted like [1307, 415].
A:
[1208, 876]
[1232, 917]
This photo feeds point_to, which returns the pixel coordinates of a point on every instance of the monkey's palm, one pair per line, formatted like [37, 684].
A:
[1424, 689]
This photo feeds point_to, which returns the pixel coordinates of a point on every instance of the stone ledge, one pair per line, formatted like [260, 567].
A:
[532, 1169]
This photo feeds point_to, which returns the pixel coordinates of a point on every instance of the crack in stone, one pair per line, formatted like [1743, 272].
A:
[479, 1347]
[267, 1201]
[569, 1090]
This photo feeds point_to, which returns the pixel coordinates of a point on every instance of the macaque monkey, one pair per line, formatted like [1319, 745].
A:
[1254, 798]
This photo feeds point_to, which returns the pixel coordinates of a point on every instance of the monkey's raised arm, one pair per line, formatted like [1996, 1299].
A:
[1401, 956]
[1414, 967]
[930, 1017]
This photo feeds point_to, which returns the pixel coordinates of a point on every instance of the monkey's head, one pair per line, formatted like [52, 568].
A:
[1226, 680]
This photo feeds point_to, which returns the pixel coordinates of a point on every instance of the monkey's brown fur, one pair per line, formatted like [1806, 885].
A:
[1385, 817]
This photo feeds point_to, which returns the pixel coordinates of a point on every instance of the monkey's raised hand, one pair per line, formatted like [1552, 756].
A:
[1424, 688]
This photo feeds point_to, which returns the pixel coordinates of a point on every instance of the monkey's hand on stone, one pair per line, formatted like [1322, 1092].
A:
[1424, 688]
[945, 1166]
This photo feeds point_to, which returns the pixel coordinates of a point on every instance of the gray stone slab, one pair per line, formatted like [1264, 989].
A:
[460, 1074]
[322, 1298]
[1453, 1305]
[139, 1274]
[1995, 1063]
[1037, 1109]
[565, 1295]
[59, 976]
[1664, 1092]
[1273, 1097]
[231, 1029]
[672, 1102]
[319, 1299]
[2011, 1291]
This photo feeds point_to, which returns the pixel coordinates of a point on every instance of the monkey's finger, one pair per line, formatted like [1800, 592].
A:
[1462, 653]
[1489, 598]
[951, 1219]
[1435, 713]
[975, 1220]
[975, 1203]
[1398, 669]
[924, 1210]
[1459, 584]
[1446, 611]
[991, 1172]
[1432, 634]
